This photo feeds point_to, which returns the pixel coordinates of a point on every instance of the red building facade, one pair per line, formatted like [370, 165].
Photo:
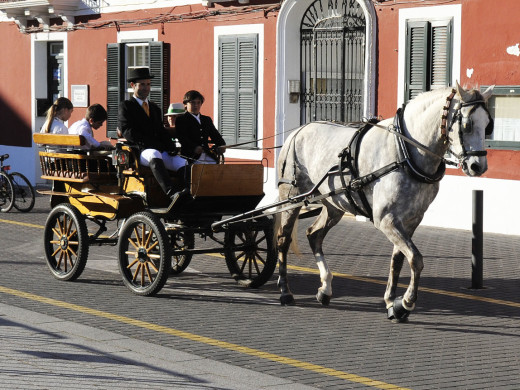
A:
[266, 67]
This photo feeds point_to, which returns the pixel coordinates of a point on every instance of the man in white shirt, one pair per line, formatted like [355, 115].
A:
[94, 118]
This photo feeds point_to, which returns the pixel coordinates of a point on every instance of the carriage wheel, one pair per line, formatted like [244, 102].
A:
[181, 240]
[144, 255]
[250, 253]
[65, 238]
[23, 193]
[6, 193]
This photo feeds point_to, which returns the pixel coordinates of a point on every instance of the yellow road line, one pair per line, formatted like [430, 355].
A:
[205, 340]
[422, 289]
[22, 223]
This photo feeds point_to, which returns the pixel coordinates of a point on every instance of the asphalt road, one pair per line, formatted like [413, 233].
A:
[203, 331]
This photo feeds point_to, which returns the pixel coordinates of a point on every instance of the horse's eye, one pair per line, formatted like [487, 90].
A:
[467, 125]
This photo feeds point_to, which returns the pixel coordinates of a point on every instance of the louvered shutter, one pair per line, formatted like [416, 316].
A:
[115, 85]
[227, 94]
[416, 58]
[440, 76]
[247, 89]
[158, 61]
[238, 96]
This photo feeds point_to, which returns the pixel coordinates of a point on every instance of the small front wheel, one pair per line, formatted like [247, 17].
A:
[144, 255]
[65, 238]
[6, 193]
[181, 240]
[250, 253]
[24, 194]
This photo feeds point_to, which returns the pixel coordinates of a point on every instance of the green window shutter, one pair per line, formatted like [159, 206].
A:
[238, 83]
[440, 76]
[228, 85]
[416, 58]
[247, 89]
[159, 55]
[115, 85]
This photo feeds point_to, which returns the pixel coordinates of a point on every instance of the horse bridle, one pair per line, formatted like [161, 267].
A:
[465, 125]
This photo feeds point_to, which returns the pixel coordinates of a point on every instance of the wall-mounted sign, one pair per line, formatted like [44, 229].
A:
[79, 95]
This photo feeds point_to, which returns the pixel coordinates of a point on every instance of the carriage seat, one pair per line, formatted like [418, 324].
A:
[134, 167]
[65, 163]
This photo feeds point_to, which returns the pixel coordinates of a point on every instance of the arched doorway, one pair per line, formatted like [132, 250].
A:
[332, 63]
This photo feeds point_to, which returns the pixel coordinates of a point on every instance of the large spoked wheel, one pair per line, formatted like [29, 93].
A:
[250, 253]
[181, 240]
[65, 238]
[24, 194]
[6, 193]
[144, 254]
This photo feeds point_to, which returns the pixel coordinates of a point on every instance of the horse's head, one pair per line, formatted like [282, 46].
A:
[471, 122]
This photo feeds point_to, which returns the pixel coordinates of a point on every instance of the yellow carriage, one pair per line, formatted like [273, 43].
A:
[152, 243]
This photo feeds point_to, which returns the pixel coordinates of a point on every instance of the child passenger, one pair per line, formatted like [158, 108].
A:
[94, 118]
[57, 114]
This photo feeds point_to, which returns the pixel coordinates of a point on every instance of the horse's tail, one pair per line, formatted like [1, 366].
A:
[285, 167]
[294, 239]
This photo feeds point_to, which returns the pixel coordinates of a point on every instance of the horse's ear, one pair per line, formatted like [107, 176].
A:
[465, 96]
[488, 92]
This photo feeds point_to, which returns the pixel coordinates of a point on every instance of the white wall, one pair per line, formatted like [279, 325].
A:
[453, 206]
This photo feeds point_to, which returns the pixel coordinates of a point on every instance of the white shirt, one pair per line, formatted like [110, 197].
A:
[57, 127]
[140, 101]
[197, 117]
[83, 128]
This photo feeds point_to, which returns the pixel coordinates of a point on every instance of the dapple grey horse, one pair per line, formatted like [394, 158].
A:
[398, 163]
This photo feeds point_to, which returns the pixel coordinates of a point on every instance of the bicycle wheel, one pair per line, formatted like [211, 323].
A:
[23, 192]
[6, 193]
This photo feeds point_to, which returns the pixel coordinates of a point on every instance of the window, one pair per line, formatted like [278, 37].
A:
[237, 88]
[503, 107]
[120, 57]
[428, 56]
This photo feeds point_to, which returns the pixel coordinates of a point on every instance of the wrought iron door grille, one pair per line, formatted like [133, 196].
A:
[333, 42]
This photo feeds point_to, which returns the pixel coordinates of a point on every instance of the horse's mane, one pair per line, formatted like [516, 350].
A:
[424, 99]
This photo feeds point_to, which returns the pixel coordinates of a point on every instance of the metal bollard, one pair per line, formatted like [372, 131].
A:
[477, 262]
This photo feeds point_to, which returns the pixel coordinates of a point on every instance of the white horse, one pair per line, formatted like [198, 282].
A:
[397, 163]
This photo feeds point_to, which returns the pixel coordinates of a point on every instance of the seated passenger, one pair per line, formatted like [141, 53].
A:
[57, 114]
[94, 118]
[174, 110]
[194, 131]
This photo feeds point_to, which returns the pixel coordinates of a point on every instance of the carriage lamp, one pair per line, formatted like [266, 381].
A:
[120, 157]
[294, 91]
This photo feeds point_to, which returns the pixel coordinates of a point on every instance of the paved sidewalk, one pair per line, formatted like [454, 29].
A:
[44, 352]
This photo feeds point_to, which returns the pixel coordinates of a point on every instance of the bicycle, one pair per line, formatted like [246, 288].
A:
[15, 189]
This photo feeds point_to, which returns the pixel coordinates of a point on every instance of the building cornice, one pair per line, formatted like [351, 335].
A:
[42, 11]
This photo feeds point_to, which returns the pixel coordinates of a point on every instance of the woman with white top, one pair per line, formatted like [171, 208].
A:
[57, 115]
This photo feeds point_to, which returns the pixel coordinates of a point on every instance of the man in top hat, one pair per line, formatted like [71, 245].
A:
[141, 123]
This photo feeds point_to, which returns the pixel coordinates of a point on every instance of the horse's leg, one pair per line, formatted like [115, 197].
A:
[396, 264]
[284, 239]
[328, 218]
[401, 307]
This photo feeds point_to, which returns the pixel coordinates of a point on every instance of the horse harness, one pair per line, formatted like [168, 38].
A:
[348, 158]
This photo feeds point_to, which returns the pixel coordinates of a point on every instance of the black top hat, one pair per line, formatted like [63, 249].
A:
[139, 74]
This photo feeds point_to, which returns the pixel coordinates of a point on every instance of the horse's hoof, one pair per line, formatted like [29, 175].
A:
[398, 312]
[287, 300]
[323, 298]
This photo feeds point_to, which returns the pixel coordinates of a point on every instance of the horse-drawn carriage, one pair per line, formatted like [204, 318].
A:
[153, 243]
[387, 170]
